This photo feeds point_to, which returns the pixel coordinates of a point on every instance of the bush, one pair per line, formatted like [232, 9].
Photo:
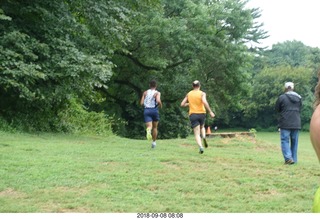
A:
[5, 126]
[306, 127]
[73, 118]
[76, 119]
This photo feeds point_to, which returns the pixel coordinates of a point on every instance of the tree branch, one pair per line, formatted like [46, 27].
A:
[137, 90]
[137, 62]
[178, 63]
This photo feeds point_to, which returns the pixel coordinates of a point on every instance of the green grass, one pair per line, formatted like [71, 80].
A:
[64, 173]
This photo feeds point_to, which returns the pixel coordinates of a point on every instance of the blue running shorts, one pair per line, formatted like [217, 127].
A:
[151, 115]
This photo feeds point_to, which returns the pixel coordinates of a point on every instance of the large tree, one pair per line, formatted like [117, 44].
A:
[56, 55]
[287, 61]
[53, 51]
[268, 85]
[179, 42]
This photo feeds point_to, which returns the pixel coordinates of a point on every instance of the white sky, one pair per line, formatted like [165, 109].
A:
[289, 20]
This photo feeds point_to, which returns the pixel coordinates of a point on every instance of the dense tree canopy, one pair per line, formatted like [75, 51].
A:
[288, 61]
[268, 85]
[83, 65]
[53, 51]
[176, 44]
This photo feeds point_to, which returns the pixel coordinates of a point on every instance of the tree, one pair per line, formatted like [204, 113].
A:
[293, 53]
[177, 43]
[57, 55]
[267, 86]
[53, 51]
[287, 61]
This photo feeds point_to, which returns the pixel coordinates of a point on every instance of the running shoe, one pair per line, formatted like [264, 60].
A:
[201, 150]
[205, 143]
[153, 145]
[149, 136]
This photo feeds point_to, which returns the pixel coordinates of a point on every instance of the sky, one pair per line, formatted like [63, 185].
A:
[289, 20]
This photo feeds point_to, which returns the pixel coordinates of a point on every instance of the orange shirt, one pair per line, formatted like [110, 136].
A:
[195, 102]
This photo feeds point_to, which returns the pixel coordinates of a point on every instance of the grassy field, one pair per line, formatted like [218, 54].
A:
[64, 173]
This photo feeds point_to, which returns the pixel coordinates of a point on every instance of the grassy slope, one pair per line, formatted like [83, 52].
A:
[60, 173]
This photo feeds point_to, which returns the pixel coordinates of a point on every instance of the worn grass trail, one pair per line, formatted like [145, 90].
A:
[64, 173]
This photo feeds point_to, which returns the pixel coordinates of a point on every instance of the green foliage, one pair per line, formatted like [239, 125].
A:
[76, 119]
[288, 61]
[19, 71]
[176, 44]
[267, 87]
[50, 52]
[292, 53]
[103, 54]
[6, 127]
[3, 16]
[173, 124]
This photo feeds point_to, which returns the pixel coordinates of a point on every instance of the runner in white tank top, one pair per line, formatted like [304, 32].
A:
[151, 100]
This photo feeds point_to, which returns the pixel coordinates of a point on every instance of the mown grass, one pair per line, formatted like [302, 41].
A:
[64, 173]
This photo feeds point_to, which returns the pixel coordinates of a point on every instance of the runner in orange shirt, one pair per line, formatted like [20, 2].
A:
[197, 102]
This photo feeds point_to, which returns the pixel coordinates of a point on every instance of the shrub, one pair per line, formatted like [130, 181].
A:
[5, 126]
[76, 119]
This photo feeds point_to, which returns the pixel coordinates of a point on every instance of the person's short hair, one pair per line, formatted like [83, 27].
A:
[196, 83]
[289, 85]
[153, 84]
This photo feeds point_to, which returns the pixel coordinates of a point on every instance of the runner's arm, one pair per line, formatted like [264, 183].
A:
[142, 98]
[206, 104]
[158, 99]
[184, 102]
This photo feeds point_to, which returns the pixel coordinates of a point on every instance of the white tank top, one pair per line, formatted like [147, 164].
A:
[150, 100]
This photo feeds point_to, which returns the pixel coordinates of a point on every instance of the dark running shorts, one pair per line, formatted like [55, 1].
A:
[197, 119]
[151, 115]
